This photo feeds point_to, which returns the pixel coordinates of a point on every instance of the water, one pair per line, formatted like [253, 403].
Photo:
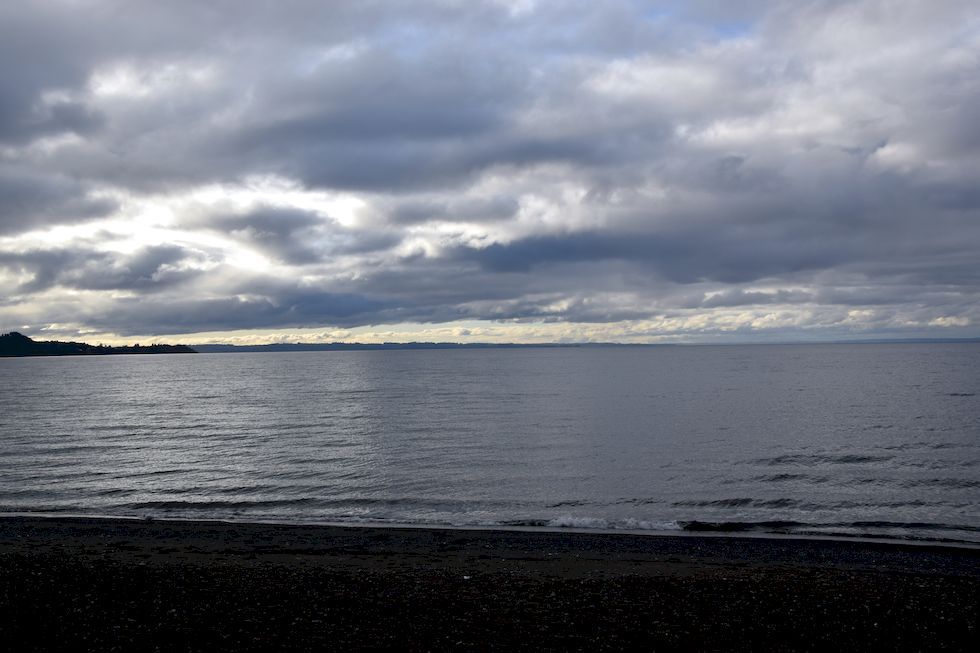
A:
[869, 440]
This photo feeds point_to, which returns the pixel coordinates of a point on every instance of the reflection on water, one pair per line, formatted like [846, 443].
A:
[869, 439]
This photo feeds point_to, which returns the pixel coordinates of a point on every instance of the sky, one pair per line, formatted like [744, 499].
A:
[489, 170]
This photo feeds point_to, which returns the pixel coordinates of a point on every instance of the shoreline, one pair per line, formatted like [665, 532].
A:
[755, 534]
[100, 582]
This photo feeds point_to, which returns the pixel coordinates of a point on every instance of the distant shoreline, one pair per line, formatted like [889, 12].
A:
[219, 348]
[699, 533]
[393, 346]
[17, 345]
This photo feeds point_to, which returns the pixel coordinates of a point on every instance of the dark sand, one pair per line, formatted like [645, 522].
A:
[143, 585]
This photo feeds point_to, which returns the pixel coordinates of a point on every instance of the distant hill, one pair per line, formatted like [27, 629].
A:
[362, 346]
[17, 344]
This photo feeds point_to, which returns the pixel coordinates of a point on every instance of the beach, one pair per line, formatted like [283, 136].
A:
[104, 584]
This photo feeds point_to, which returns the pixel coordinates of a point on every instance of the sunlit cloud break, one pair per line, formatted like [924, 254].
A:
[490, 171]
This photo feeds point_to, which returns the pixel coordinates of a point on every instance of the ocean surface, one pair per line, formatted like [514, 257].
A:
[877, 440]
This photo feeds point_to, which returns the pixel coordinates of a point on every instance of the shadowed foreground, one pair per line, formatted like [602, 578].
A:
[104, 584]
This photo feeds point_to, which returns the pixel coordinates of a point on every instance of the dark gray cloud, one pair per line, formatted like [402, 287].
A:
[689, 165]
[709, 252]
[738, 297]
[31, 199]
[148, 270]
[288, 308]
[298, 237]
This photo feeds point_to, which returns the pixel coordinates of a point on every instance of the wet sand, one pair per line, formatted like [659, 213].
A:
[145, 585]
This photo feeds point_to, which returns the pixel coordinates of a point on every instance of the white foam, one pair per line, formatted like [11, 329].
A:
[643, 525]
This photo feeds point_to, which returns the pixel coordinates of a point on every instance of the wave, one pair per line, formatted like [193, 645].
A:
[451, 506]
[738, 526]
[813, 460]
[593, 523]
[910, 531]
[887, 530]
[892, 530]
[868, 528]
[741, 502]
[779, 478]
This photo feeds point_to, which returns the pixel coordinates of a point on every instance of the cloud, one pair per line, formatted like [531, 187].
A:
[32, 199]
[714, 167]
[297, 237]
[146, 270]
[477, 209]
[288, 308]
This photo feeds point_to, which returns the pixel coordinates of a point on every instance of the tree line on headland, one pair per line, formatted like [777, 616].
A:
[17, 344]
